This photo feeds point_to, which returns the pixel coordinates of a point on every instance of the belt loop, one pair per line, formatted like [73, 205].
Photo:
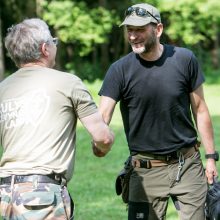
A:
[35, 181]
[63, 181]
[168, 158]
[12, 184]
[197, 145]
[12, 181]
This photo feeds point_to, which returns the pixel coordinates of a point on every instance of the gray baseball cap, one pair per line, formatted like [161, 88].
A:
[141, 14]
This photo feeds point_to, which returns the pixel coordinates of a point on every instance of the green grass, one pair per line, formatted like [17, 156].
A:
[92, 185]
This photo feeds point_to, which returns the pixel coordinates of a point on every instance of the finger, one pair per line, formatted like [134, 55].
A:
[210, 177]
[210, 180]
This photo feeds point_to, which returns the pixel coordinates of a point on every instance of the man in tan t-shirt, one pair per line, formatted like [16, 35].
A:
[39, 108]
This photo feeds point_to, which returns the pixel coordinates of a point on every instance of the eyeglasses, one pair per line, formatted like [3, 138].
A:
[55, 40]
[141, 12]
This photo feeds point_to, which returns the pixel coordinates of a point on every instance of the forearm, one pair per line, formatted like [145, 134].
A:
[205, 129]
[106, 108]
[204, 126]
[102, 136]
[203, 120]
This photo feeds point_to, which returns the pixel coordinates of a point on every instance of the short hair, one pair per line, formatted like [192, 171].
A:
[23, 41]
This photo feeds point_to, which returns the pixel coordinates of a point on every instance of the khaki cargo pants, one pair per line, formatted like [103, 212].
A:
[42, 201]
[150, 189]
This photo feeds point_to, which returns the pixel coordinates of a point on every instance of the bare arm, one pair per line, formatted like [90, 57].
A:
[204, 126]
[106, 108]
[102, 136]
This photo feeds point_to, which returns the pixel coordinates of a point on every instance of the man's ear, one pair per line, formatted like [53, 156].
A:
[159, 29]
[44, 50]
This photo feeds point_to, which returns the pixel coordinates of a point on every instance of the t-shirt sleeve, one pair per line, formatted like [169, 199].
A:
[112, 84]
[196, 76]
[83, 101]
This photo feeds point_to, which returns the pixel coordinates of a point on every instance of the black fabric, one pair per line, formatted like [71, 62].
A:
[123, 179]
[138, 210]
[175, 202]
[213, 202]
[72, 208]
[155, 99]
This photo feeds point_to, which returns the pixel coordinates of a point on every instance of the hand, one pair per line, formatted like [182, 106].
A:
[211, 170]
[97, 152]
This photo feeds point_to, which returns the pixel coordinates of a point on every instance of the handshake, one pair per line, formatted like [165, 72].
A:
[100, 150]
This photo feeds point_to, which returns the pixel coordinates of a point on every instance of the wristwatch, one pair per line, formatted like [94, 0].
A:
[214, 156]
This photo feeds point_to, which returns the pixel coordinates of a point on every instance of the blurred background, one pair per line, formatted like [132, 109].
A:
[90, 37]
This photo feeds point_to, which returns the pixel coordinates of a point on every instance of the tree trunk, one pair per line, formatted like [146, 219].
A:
[2, 68]
[215, 52]
[104, 47]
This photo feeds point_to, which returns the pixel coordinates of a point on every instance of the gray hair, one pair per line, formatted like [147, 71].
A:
[23, 41]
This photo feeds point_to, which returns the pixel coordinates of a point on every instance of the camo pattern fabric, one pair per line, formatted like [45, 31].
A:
[40, 201]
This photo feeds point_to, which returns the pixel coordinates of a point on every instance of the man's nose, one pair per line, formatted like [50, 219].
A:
[132, 35]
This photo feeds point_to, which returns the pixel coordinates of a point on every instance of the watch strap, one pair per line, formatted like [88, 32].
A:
[214, 156]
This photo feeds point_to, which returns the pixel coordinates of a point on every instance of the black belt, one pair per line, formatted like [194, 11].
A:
[51, 178]
[187, 152]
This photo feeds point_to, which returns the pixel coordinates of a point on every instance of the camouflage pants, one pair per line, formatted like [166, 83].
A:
[35, 201]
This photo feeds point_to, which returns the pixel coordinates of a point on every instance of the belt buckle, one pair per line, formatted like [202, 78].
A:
[142, 163]
[145, 164]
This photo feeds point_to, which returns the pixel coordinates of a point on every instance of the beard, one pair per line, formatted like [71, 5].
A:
[150, 44]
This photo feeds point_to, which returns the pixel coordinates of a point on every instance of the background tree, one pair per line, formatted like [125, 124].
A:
[194, 23]
[12, 12]
[90, 37]
[2, 66]
[84, 29]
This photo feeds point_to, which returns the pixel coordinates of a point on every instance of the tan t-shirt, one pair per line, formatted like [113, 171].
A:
[39, 108]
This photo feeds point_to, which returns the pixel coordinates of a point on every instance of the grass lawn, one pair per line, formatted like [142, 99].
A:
[92, 186]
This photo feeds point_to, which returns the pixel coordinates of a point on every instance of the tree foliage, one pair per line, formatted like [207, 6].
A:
[76, 23]
[91, 39]
[192, 21]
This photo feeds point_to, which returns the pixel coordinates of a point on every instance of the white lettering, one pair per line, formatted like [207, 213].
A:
[28, 109]
[139, 215]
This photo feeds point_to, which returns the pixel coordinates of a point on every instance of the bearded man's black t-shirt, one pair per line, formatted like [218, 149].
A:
[155, 99]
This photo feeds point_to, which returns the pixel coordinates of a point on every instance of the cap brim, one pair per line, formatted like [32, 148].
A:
[137, 21]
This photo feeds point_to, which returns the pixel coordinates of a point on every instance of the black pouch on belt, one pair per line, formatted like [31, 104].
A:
[122, 180]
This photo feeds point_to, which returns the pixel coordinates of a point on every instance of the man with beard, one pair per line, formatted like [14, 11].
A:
[157, 86]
